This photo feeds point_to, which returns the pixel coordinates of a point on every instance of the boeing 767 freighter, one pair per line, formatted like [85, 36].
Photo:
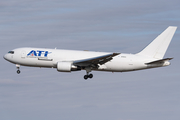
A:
[73, 60]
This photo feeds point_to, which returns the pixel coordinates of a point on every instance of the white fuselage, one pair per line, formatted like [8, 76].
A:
[41, 57]
[73, 60]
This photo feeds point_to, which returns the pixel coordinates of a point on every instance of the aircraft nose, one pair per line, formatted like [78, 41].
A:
[5, 57]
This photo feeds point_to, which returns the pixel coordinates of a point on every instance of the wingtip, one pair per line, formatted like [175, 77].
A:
[116, 54]
[171, 58]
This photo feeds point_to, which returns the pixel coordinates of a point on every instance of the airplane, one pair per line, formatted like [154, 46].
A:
[75, 60]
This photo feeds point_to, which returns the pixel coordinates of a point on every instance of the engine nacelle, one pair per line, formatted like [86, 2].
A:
[67, 67]
[64, 66]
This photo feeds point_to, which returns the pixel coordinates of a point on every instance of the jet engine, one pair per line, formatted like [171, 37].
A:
[66, 67]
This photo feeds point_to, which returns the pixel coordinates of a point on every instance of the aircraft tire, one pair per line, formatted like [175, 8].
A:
[86, 77]
[18, 71]
[90, 75]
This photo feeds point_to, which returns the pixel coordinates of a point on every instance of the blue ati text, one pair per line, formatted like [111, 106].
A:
[38, 53]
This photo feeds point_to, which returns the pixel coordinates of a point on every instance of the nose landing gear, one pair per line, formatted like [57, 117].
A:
[18, 71]
[18, 67]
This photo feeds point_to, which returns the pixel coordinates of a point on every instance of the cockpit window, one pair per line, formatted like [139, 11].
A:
[11, 52]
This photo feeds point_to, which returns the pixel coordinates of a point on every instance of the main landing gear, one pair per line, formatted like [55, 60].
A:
[88, 69]
[88, 76]
[18, 67]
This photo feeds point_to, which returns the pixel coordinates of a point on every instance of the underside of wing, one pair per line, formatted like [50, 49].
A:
[93, 62]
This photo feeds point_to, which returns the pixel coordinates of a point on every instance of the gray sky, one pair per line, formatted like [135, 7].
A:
[125, 26]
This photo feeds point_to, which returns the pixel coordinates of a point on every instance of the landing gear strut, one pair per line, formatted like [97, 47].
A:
[88, 69]
[18, 67]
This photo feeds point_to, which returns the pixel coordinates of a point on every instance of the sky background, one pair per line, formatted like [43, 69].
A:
[124, 26]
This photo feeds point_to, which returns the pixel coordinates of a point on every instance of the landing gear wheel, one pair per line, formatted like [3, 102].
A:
[90, 75]
[86, 77]
[18, 71]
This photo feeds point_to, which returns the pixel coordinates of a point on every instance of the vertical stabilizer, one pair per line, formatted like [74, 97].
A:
[157, 48]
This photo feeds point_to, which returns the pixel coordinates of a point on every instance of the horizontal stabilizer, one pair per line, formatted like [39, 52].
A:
[159, 61]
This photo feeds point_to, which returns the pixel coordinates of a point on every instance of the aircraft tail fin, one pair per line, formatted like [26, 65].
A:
[157, 48]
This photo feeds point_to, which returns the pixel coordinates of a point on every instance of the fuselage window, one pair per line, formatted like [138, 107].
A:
[11, 52]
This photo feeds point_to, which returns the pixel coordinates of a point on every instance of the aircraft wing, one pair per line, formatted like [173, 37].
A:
[159, 61]
[93, 62]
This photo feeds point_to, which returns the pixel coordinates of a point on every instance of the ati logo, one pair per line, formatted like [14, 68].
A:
[38, 53]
